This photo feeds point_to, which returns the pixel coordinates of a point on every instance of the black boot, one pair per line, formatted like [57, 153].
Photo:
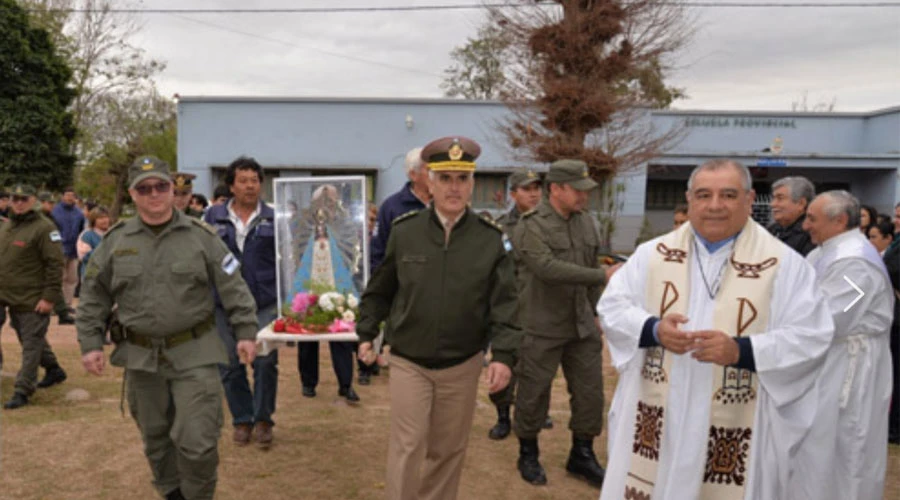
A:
[54, 375]
[17, 401]
[65, 318]
[528, 464]
[501, 429]
[349, 394]
[364, 376]
[175, 495]
[582, 462]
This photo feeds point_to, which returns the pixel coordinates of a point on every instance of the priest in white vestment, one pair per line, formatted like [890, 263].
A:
[713, 398]
[845, 455]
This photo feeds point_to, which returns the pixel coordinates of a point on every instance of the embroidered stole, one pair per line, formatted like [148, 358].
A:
[741, 308]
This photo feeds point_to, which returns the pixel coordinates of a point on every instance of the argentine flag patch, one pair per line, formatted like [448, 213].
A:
[55, 237]
[507, 245]
[230, 264]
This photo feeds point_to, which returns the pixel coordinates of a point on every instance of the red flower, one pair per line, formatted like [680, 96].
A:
[278, 326]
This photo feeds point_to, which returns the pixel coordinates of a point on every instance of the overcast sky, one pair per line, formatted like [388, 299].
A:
[756, 59]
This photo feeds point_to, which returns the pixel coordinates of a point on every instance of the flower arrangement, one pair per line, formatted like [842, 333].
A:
[325, 312]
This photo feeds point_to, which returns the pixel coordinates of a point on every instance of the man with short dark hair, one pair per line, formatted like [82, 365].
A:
[70, 220]
[30, 280]
[247, 226]
[790, 197]
[680, 216]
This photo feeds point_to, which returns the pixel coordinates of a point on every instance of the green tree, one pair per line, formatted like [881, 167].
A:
[477, 68]
[134, 126]
[36, 129]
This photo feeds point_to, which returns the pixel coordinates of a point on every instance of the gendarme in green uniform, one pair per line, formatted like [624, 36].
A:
[440, 315]
[161, 280]
[561, 286]
[31, 263]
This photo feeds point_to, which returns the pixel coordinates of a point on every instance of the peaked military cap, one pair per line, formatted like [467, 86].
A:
[145, 168]
[522, 178]
[572, 172]
[454, 153]
[183, 181]
[22, 190]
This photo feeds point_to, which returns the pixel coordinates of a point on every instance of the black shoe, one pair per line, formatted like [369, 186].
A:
[309, 392]
[375, 370]
[18, 400]
[528, 464]
[175, 495]
[582, 462]
[349, 394]
[501, 429]
[55, 375]
[66, 319]
[364, 378]
[548, 423]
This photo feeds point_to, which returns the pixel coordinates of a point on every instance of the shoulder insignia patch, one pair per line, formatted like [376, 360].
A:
[55, 237]
[204, 225]
[406, 216]
[230, 264]
[491, 223]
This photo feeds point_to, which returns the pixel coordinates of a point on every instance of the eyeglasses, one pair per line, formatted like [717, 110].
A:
[146, 189]
[19, 199]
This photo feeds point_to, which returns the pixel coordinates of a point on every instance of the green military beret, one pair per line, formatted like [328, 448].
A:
[145, 168]
[572, 172]
[522, 178]
[22, 190]
[451, 154]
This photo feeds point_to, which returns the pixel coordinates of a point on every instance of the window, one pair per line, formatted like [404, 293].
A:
[490, 192]
[664, 194]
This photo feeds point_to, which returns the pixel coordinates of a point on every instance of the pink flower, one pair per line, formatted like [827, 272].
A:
[300, 303]
[340, 325]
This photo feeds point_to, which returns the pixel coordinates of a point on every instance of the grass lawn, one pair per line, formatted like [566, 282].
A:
[324, 449]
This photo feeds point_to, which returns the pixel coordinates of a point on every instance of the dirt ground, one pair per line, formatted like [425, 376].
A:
[324, 448]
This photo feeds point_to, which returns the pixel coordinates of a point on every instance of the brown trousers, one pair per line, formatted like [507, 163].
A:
[431, 416]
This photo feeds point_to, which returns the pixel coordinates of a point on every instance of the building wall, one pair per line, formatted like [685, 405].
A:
[372, 136]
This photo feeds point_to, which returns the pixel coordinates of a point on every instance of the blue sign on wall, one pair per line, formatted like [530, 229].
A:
[771, 162]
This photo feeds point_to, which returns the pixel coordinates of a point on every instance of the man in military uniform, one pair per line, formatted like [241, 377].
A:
[184, 188]
[158, 268]
[446, 285]
[558, 243]
[30, 284]
[525, 191]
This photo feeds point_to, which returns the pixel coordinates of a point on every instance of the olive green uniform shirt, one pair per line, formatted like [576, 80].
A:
[561, 277]
[162, 284]
[31, 261]
[445, 301]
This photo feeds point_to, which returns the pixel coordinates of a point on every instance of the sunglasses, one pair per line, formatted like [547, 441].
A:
[19, 199]
[146, 189]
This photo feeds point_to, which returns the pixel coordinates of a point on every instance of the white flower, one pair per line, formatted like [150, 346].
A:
[326, 301]
[352, 301]
[338, 299]
[349, 316]
[340, 309]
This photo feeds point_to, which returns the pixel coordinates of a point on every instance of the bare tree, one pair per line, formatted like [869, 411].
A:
[582, 76]
[96, 41]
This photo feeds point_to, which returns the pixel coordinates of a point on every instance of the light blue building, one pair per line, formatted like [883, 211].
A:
[293, 137]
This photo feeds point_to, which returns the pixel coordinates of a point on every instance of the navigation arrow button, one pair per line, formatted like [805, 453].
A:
[858, 290]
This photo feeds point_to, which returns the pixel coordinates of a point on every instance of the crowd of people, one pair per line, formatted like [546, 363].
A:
[750, 365]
